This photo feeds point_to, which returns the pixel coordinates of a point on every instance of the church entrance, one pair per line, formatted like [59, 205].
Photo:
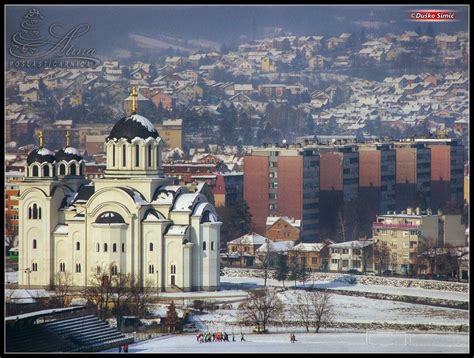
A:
[172, 281]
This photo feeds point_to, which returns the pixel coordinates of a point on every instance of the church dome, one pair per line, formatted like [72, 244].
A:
[67, 154]
[131, 127]
[40, 155]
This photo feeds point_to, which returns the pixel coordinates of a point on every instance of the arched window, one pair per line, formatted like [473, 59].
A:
[34, 266]
[124, 156]
[62, 169]
[39, 213]
[34, 244]
[149, 155]
[123, 247]
[151, 269]
[212, 245]
[173, 269]
[78, 245]
[114, 270]
[78, 268]
[113, 155]
[105, 247]
[73, 169]
[98, 247]
[62, 267]
[35, 170]
[46, 171]
[204, 246]
[151, 246]
[137, 155]
[29, 213]
[35, 211]
[114, 247]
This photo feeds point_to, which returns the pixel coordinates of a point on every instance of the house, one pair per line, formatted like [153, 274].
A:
[165, 99]
[408, 36]
[174, 61]
[268, 65]
[351, 255]
[269, 251]
[314, 256]
[282, 228]
[244, 248]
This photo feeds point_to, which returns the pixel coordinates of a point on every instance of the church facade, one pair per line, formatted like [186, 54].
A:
[132, 221]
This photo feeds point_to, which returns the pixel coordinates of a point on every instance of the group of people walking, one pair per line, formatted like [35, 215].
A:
[216, 337]
[292, 338]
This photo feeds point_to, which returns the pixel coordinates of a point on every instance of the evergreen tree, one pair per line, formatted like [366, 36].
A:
[294, 271]
[303, 272]
[172, 320]
[282, 268]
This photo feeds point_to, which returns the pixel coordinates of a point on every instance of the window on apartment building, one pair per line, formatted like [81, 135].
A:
[334, 261]
[405, 245]
[272, 206]
[314, 260]
[413, 232]
[394, 233]
[345, 251]
[356, 252]
[345, 263]
[394, 256]
[272, 195]
[394, 245]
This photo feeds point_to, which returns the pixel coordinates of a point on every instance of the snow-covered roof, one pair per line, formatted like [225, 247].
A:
[178, 230]
[309, 247]
[250, 239]
[61, 229]
[273, 219]
[45, 151]
[185, 202]
[276, 246]
[71, 150]
[356, 244]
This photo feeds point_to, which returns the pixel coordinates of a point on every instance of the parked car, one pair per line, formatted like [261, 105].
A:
[390, 273]
[189, 327]
[354, 272]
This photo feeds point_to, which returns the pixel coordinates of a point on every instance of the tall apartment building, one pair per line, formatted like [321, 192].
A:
[413, 175]
[12, 192]
[283, 181]
[377, 165]
[402, 232]
[447, 167]
[339, 180]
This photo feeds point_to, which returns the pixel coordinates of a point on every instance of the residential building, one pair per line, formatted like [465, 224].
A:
[447, 171]
[314, 256]
[172, 132]
[283, 181]
[404, 231]
[283, 228]
[267, 254]
[12, 192]
[243, 249]
[377, 176]
[351, 255]
[413, 175]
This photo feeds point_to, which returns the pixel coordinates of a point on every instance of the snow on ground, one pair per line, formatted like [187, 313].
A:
[254, 282]
[310, 342]
[354, 309]
[11, 277]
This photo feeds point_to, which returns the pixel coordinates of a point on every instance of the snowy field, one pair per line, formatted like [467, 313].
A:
[254, 282]
[307, 343]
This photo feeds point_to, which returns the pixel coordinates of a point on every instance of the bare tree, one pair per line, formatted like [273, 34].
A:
[11, 231]
[322, 306]
[63, 288]
[262, 306]
[99, 290]
[265, 261]
[381, 255]
[121, 293]
[141, 297]
[342, 225]
[304, 309]
[427, 251]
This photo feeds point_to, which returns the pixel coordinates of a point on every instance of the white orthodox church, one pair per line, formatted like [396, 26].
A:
[132, 221]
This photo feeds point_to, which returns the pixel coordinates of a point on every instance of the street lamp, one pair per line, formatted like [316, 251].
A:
[157, 284]
[28, 272]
